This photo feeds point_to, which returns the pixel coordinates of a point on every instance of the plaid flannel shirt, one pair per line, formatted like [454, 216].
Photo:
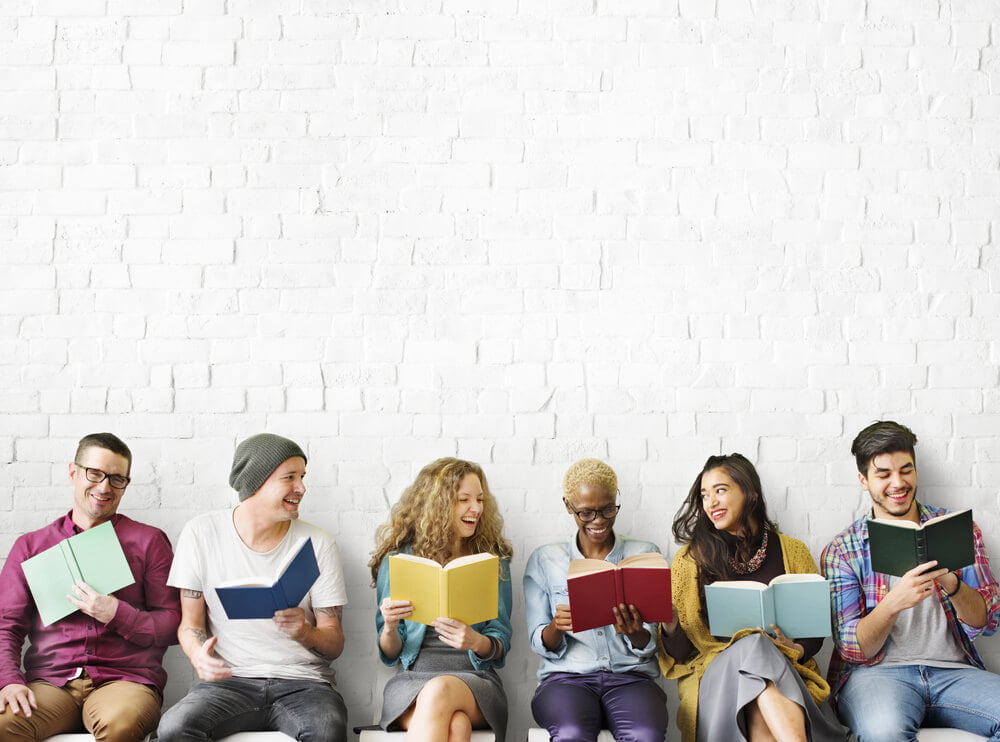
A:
[856, 590]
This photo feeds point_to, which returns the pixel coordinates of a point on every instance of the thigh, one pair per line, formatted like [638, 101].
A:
[57, 711]
[121, 711]
[964, 698]
[215, 709]
[636, 708]
[883, 703]
[568, 706]
[306, 710]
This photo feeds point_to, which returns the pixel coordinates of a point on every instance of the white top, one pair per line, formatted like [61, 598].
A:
[210, 552]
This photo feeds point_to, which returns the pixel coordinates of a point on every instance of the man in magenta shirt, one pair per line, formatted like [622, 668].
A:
[100, 668]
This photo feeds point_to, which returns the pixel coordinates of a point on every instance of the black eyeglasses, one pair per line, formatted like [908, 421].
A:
[117, 481]
[588, 515]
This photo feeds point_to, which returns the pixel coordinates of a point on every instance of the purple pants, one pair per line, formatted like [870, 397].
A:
[574, 707]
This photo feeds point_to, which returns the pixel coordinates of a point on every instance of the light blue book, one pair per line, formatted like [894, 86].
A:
[799, 604]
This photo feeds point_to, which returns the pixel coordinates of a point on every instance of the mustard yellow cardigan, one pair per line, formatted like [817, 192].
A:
[687, 604]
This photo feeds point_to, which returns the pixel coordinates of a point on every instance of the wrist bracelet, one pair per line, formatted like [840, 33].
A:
[495, 646]
[958, 586]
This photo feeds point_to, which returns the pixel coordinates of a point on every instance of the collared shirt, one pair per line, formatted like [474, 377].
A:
[585, 651]
[412, 633]
[129, 647]
[856, 590]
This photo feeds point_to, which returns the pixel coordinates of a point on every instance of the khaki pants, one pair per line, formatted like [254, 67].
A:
[118, 711]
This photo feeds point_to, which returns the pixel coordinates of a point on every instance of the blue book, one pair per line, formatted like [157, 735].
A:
[256, 598]
[798, 603]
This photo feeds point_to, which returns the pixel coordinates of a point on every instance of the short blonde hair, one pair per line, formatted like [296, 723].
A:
[589, 471]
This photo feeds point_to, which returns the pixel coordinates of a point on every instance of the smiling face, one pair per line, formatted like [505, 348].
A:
[595, 538]
[723, 500]
[468, 506]
[94, 503]
[892, 483]
[282, 492]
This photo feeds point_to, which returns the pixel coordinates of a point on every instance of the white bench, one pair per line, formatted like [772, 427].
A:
[238, 737]
[541, 735]
[936, 734]
[380, 735]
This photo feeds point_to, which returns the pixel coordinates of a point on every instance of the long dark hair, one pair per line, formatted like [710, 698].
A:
[709, 547]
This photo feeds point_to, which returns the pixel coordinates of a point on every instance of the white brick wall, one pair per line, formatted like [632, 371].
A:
[516, 232]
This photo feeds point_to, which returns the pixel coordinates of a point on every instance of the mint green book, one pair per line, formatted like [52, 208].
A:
[94, 556]
[799, 603]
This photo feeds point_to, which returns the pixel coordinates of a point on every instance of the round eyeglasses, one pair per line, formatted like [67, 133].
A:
[588, 515]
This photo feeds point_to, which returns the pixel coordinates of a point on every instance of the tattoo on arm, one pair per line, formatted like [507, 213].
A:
[334, 610]
[193, 594]
[200, 634]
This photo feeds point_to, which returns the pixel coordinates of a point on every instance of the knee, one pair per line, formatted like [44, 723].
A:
[645, 734]
[172, 725]
[122, 729]
[881, 727]
[438, 695]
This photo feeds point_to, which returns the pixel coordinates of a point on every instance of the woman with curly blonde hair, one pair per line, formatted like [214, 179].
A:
[447, 684]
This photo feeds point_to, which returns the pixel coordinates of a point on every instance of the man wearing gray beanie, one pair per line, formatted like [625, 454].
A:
[269, 674]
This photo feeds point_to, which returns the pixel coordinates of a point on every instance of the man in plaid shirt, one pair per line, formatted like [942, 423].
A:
[904, 656]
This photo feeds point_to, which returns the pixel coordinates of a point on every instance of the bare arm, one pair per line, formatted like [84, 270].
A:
[913, 588]
[325, 639]
[969, 604]
[194, 640]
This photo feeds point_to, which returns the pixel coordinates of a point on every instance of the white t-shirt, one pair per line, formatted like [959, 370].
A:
[210, 552]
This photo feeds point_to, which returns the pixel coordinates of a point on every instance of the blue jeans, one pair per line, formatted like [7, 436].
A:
[891, 703]
[305, 710]
[574, 707]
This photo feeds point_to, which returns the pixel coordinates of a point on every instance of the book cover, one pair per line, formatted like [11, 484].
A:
[466, 589]
[898, 546]
[94, 556]
[798, 603]
[596, 586]
[257, 597]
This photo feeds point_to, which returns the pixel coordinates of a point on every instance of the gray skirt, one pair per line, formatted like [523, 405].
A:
[738, 675]
[437, 658]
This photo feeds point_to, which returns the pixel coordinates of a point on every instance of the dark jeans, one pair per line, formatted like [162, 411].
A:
[306, 710]
[574, 707]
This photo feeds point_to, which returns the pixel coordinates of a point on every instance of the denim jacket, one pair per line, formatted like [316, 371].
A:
[585, 651]
[412, 634]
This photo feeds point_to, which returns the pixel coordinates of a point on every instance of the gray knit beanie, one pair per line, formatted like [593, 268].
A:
[256, 459]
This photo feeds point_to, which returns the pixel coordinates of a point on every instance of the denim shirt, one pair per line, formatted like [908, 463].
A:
[585, 651]
[412, 633]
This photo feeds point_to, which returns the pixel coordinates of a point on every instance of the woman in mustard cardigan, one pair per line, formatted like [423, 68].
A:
[749, 686]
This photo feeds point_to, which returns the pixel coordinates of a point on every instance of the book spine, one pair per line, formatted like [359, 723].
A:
[921, 544]
[74, 569]
[619, 587]
[444, 598]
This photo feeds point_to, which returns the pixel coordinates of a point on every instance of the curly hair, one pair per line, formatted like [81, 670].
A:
[708, 545]
[589, 471]
[422, 518]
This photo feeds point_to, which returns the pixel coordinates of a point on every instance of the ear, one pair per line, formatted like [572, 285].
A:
[863, 480]
[566, 505]
[72, 470]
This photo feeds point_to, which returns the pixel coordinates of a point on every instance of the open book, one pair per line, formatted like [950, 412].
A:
[466, 589]
[898, 546]
[94, 556]
[798, 603]
[596, 586]
[261, 597]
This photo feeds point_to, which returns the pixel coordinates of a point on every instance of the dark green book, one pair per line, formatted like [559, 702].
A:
[94, 556]
[897, 546]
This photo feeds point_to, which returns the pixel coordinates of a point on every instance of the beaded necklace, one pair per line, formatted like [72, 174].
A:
[753, 564]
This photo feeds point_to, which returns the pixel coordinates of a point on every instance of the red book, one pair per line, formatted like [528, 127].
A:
[596, 586]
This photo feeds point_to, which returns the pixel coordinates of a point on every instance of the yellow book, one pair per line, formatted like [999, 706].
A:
[465, 589]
